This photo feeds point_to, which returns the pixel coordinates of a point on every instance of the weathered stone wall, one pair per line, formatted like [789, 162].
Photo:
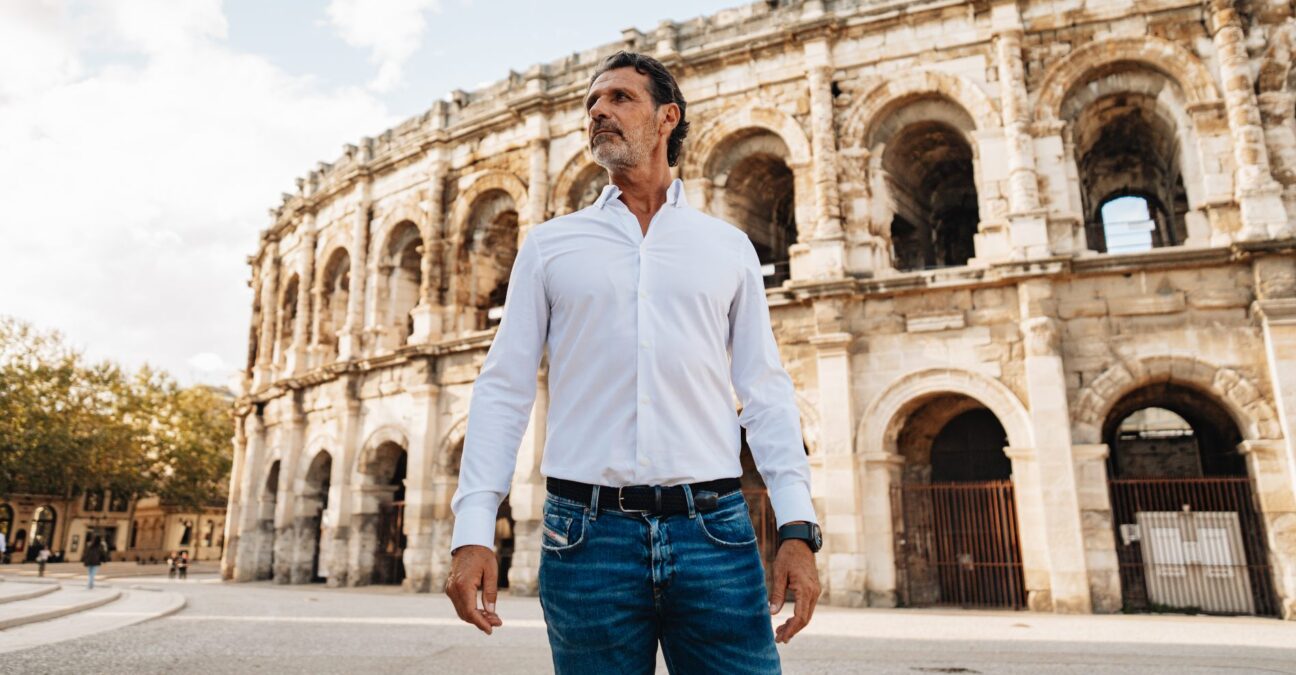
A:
[927, 179]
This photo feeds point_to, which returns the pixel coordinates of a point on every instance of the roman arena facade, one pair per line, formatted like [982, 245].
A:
[1030, 265]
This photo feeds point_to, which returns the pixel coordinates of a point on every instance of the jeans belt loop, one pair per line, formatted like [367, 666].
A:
[594, 503]
[657, 499]
[688, 499]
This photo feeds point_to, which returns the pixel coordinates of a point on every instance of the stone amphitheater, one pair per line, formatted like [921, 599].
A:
[1030, 265]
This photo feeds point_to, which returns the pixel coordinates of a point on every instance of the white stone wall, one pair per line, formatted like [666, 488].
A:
[1036, 325]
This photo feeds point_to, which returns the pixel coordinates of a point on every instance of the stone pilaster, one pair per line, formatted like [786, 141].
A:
[420, 497]
[296, 358]
[262, 374]
[350, 337]
[1272, 474]
[823, 254]
[838, 487]
[880, 473]
[348, 410]
[1051, 425]
[237, 497]
[251, 535]
[1275, 282]
[427, 314]
[1258, 195]
[1096, 521]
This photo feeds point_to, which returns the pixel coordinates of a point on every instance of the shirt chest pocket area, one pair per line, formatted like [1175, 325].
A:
[563, 529]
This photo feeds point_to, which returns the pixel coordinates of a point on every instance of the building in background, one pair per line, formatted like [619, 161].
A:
[1030, 265]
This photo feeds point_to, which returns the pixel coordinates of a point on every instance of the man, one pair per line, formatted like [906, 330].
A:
[650, 311]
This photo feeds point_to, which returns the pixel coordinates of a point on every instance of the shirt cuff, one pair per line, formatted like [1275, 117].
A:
[475, 521]
[792, 503]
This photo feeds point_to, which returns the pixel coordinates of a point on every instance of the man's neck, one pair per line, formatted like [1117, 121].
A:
[643, 190]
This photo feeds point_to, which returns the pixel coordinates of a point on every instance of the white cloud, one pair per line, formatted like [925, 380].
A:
[134, 193]
[392, 30]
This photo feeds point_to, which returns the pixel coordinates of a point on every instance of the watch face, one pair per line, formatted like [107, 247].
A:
[817, 536]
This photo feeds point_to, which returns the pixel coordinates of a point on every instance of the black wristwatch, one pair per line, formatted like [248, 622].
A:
[807, 532]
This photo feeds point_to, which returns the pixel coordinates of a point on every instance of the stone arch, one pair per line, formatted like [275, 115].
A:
[401, 213]
[1276, 72]
[473, 187]
[876, 101]
[398, 267]
[333, 285]
[1242, 398]
[324, 442]
[285, 332]
[1171, 59]
[388, 433]
[569, 185]
[880, 426]
[704, 153]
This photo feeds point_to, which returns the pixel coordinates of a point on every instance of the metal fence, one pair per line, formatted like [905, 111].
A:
[389, 565]
[958, 545]
[1191, 545]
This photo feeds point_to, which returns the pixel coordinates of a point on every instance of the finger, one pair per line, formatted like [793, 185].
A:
[778, 591]
[490, 588]
[806, 599]
[789, 628]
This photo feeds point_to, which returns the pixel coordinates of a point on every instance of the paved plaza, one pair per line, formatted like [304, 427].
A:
[261, 627]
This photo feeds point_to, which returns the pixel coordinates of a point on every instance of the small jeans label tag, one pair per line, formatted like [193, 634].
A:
[559, 539]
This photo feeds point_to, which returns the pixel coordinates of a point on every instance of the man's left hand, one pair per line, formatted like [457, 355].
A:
[794, 569]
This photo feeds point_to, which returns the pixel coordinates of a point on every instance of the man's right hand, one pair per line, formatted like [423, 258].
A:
[474, 568]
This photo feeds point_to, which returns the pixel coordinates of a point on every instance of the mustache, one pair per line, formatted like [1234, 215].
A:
[605, 126]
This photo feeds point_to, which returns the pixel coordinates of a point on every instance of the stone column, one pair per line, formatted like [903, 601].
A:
[420, 493]
[1032, 528]
[426, 325]
[263, 372]
[1051, 424]
[1028, 228]
[1272, 474]
[823, 255]
[527, 496]
[233, 514]
[1275, 282]
[844, 556]
[881, 472]
[348, 411]
[1096, 521]
[537, 182]
[1258, 195]
[350, 337]
[296, 358]
[250, 536]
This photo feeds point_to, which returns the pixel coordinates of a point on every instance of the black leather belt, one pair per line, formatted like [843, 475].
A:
[649, 499]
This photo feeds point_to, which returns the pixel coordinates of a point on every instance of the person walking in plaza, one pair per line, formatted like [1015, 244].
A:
[4, 549]
[653, 315]
[182, 565]
[171, 565]
[96, 553]
[42, 557]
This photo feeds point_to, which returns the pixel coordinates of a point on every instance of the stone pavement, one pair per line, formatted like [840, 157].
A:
[238, 628]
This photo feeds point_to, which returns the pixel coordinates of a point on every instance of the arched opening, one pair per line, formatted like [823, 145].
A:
[44, 524]
[490, 247]
[19, 541]
[1188, 534]
[929, 176]
[335, 287]
[265, 523]
[313, 523]
[957, 536]
[755, 191]
[587, 187]
[384, 478]
[1128, 140]
[287, 318]
[403, 270]
[759, 506]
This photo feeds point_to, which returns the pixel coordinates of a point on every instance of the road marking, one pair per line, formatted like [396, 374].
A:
[366, 620]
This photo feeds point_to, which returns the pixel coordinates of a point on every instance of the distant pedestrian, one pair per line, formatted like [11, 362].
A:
[4, 548]
[182, 565]
[42, 557]
[96, 554]
[171, 565]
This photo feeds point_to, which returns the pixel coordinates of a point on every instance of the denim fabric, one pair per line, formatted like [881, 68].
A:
[613, 585]
[90, 575]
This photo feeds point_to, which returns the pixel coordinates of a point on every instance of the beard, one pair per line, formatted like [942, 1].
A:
[620, 150]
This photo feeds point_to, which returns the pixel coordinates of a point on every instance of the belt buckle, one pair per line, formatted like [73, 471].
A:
[621, 502]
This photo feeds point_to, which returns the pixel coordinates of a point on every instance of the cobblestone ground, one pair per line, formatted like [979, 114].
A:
[250, 628]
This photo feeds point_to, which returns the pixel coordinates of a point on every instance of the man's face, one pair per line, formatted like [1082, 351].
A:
[624, 124]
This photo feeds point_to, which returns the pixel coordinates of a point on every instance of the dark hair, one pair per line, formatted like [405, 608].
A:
[662, 87]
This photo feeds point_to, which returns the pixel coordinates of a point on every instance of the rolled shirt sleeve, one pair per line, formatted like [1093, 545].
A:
[502, 397]
[769, 410]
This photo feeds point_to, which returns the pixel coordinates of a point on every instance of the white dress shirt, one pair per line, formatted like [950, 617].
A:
[649, 337]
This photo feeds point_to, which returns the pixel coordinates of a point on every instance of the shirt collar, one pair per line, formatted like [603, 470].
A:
[674, 194]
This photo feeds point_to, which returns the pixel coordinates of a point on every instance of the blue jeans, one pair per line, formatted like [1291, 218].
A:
[613, 585]
[90, 574]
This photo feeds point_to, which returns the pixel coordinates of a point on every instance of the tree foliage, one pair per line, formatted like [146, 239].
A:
[68, 425]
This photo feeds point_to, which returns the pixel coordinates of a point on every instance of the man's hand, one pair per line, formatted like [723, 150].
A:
[474, 568]
[794, 568]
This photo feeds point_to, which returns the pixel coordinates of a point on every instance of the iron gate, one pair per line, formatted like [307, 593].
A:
[958, 545]
[1191, 544]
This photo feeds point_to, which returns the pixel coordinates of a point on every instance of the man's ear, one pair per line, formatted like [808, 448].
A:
[670, 115]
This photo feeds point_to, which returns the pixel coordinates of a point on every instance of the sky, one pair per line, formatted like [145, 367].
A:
[142, 141]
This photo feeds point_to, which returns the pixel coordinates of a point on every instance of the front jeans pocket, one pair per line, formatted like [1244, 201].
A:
[563, 528]
[729, 526]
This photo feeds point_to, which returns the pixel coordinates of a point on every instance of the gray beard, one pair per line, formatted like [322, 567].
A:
[612, 155]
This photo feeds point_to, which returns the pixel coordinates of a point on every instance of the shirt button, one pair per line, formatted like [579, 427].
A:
[643, 294]
[643, 461]
[644, 344]
[645, 400]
